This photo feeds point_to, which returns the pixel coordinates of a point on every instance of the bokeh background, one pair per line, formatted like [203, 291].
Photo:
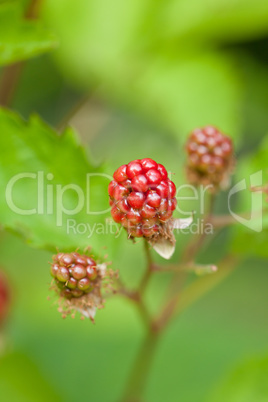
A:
[133, 78]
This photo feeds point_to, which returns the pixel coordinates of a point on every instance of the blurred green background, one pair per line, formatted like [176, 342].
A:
[133, 78]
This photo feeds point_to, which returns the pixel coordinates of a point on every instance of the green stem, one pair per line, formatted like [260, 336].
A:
[149, 268]
[139, 375]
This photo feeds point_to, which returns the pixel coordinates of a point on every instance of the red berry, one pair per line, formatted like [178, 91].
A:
[201, 150]
[133, 216]
[172, 204]
[67, 260]
[90, 261]
[149, 222]
[153, 199]
[54, 269]
[78, 271]
[126, 184]
[148, 164]
[133, 169]
[116, 214]
[136, 231]
[123, 205]
[171, 188]
[80, 259]
[148, 211]
[149, 231]
[153, 176]
[62, 274]
[125, 223]
[162, 189]
[163, 205]
[91, 272]
[136, 199]
[84, 284]
[56, 258]
[165, 216]
[120, 174]
[120, 192]
[163, 171]
[140, 183]
[210, 130]
[111, 188]
[142, 196]
[72, 283]
[210, 156]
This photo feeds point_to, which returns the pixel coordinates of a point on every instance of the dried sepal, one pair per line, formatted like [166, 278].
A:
[164, 241]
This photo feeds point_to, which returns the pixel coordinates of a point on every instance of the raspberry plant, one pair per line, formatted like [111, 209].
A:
[45, 174]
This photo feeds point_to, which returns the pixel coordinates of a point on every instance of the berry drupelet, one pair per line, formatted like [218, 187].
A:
[142, 197]
[210, 157]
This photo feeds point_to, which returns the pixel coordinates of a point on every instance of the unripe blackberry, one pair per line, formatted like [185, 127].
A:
[74, 274]
[210, 157]
[142, 197]
[78, 279]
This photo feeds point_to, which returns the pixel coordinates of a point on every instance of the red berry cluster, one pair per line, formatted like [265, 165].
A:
[74, 274]
[142, 197]
[210, 155]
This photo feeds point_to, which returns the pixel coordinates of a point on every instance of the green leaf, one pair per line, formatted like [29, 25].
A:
[20, 380]
[21, 39]
[36, 165]
[247, 383]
